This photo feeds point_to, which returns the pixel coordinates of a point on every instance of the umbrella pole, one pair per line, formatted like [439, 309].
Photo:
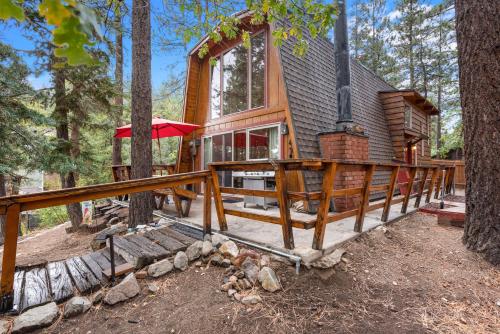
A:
[159, 153]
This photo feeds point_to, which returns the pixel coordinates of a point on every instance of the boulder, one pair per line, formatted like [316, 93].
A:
[194, 251]
[181, 261]
[330, 260]
[207, 237]
[218, 239]
[226, 263]
[269, 280]
[251, 270]
[229, 248]
[153, 288]
[160, 268]
[251, 299]
[4, 326]
[206, 248]
[97, 297]
[126, 289]
[75, 306]
[38, 317]
[265, 260]
[217, 260]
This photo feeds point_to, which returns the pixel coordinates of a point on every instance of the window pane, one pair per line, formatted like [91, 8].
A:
[258, 57]
[264, 143]
[235, 80]
[207, 152]
[408, 117]
[215, 90]
[240, 146]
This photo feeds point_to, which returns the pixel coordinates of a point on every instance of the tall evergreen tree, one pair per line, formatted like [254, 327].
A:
[118, 103]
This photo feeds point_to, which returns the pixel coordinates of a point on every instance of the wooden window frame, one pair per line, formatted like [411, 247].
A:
[410, 126]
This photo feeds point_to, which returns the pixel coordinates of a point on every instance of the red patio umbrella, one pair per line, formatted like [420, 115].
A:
[160, 128]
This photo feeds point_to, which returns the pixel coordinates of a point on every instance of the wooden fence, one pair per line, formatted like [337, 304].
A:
[459, 175]
[12, 207]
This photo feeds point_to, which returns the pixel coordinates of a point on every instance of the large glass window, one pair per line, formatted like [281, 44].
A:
[263, 143]
[239, 74]
[240, 146]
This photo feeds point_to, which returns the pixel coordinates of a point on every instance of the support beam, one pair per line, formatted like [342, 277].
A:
[390, 194]
[409, 187]
[207, 206]
[9, 256]
[432, 184]
[422, 187]
[219, 206]
[322, 217]
[286, 221]
[358, 226]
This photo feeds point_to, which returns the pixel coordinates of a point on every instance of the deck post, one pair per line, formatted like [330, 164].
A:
[434, 176]
[9, 256]
[409, 187]
[207, 207]
[439, 181]
[282, 196]
[390, 193]
[422, 187]
[365, 195]
[324, 205]
[219, 206]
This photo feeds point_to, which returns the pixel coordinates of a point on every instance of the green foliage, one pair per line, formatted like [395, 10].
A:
[53, 216]
[9, 9]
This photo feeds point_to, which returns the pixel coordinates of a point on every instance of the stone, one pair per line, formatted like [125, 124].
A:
[238, 296]
[181, 261]
[243, 255]
[153, 288]
[75, 306]
[207, 237]
[160, 268]
[231, 292]
[244, 283]
[216, 260]
[4, 326]
[226, 263]
[38, 317]
[206, 248]
[239, 274]
[194, 251]
[198, 264]
[265, 261]
[307, 255]
[126, 289]
[141, 274]
[251, 270]
[269, 280]
[330, 260]
[218, 239]
[97, 297]
[227, 286]
[233, 279]
[229, 248]
[251, 299]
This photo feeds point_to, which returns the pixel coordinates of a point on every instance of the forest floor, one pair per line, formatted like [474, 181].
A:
[412, 277]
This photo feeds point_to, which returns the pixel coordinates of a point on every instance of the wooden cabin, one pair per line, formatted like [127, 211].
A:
[266, 103]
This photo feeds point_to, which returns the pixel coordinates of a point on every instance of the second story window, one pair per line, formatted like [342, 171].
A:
[408, 116]
[238, 79]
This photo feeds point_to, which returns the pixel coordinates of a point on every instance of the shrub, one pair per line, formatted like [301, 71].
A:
[50, 217]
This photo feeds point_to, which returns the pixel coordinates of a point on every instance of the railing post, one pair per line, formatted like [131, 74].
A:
[365, 194]
[207, 207]
[282, 196]
[422, 187]
[409, 187]
[324, 205]
[390, 193]
[9, 256]
[219, 206]
[435, 172]
[439, 181]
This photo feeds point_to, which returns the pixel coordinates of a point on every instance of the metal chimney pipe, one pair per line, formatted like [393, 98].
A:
[342, 70]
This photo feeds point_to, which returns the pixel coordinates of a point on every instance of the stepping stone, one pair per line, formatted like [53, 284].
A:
[37, 317]
[82, 277]
[173, 245]
[36, 288]
[60, 281]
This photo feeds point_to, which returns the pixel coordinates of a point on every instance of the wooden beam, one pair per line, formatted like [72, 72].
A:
[409, 187]
[390, 194]
[324, 205]
[286, 221]
[219, 206]
[422, 187]
[207, 207]
[430, 188]
[358, 226]
[439, 182]
[9, 255]
[249, 192]
[269, 219]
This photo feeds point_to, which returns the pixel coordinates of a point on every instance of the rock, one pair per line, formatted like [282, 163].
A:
[268, 279]
[243, 255]
[226, 263]
[233, 279]
[141, 274]
[218, 239]
[237, 296]
[4, 326]
[206, 248]
[97, 297]
[229, 248]
[181, 261]
[160, 268]
[330, 260]
[251, 270]
[244, 283]
[198, 264]
[265, 261]
[75, 306]
[307, 255]
[207, 237]
[194, 251]
[239, 274]
[231, 292]
[251, 299]
[153, 288]
[38, 317]
[126, 289]
[226, 286]
[217, 260]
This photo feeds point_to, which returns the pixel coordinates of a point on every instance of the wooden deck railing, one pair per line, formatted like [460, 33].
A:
[12, 207]
[431, 178]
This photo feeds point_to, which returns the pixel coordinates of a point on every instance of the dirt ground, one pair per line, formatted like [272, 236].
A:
[51, 245]
[414, 277]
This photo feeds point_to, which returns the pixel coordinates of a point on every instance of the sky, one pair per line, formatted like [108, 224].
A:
[164, 64]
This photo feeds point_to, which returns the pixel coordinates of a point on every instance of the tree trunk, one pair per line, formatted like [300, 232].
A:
[3, 193]
[141, 209]
[61, 112]
[479, 69]
[117, 142]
